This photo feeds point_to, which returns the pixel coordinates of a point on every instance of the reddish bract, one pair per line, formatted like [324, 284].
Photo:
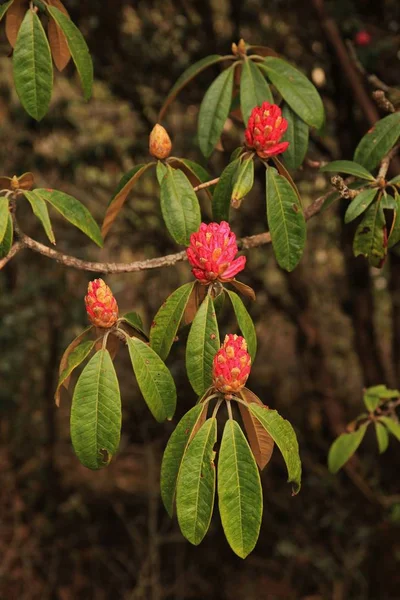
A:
[101, 306]
[231, 366]
[265, 128]
[212, 253]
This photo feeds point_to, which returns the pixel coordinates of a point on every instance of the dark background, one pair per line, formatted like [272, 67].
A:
[325, 331]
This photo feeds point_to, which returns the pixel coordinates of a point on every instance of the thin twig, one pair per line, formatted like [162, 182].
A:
[14, 250]
[385, 162]
[206, 184]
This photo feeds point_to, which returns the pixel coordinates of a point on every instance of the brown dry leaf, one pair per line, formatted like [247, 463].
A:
[244, 289]
[14, 17]
[113, 343]
[195, 299]
[64, 361]
[26, 181]
[5, 183]
[57, 40]
[262, 51]
[261, 443]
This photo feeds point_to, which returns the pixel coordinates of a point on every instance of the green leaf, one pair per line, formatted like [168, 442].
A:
[6, 244]
[254, 90]
[378, 141]
[370, 237]
[382, 437]
[243, 182]
[394, 237]
[201, 347]
[190, 73]
[359, 204]
[387, 201]
[154, 380]
[78, 49]
[74, 359]
[395, 180]
[135, 321]
[349, 167]
[179, 206]
[173, 455]
[371, 400]
[344, 447]
[296, 90]
[4, 215]
[72, 210]
[285, 220]
[96, 412]
[167, 320]
[4, 8]
[297, 135]
[121, 193]
[192, 170]
[245, 323]
[284, 437]
[214, 111]
[223, 191]
[40, 211]
[392, 426]
[239, 491]
[33, 67]
[196, 484]
[161, 170]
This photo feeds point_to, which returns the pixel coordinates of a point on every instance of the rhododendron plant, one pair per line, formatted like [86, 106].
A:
[231, 366]
[101, 306]
[265, 129]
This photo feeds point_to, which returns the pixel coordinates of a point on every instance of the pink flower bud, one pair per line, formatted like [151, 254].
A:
[363, 38]
[159, 143]
[212, 253]
[265, 128]
[232, 364]
[101, 306]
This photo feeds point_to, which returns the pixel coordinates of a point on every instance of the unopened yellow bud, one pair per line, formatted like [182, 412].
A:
[160, 145]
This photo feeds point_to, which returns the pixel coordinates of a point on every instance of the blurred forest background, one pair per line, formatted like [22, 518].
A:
[325, 331]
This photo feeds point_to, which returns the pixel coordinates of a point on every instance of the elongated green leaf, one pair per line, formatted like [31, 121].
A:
[4, 8]
[74, 359]
[284, 437]
[245, 323]
[387, 201]
[74, 211]
[382, 437]
[378, 141]
[179, 206]
[154, 380]
[344, 447]
[394, 237]
[78, 49]
[359, 204]
[395, 180]
[392, 426]
[167, 320]
[296, 90]
[285, 220]
[135, 321]
[214, 111]
[297, 135]
[243, 182]
[254, 90]
[96, 412]
[6, 243]
[201, 347]
[194, 172]
[121, 193]
[173, 455]
[190, 73]
[349, 167]
[195, 489]
[4, 214]
[33, 67]
[161, 170]
[40, 211]
[223, 191]
[371, 400]
[370, 239]
[239, 491]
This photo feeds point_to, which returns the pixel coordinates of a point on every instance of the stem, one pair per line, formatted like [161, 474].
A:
[206, 184]
[229, 407]
[216, 409]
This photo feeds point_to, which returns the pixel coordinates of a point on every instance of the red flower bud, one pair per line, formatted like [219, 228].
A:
[265, 128]
[363, 38]
[159, 143]
[212, 253]
[101, 306]
[231, 366]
